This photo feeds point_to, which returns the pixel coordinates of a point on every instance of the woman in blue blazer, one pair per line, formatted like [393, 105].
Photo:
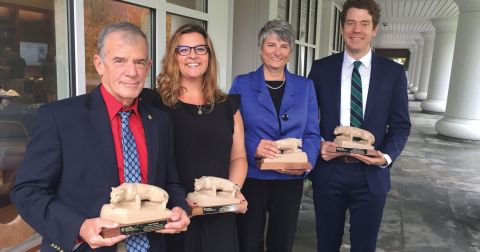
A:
[275, 104]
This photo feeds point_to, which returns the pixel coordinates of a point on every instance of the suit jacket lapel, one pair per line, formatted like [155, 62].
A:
[336, 85]
[373, 87]
[288, 96]
[151, 129]
[102, 134]
[264, 97]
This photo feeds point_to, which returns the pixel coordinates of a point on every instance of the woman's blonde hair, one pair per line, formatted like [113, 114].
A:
[168, 81]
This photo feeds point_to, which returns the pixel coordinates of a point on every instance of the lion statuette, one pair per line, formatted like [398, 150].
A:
[291, 157]
[289, 145]
[214, 191]
[136, 203]
[351, 137]
[136, 192]
[213, 184]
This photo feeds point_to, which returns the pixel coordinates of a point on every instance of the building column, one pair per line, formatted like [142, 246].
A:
[442, 57]
[411, 65]
[462, 115]
[418, 65]
[428, 37]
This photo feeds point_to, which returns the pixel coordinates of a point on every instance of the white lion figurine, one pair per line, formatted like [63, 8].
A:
[212, 184]
[137, 192]
[353, 134]
[289, 145]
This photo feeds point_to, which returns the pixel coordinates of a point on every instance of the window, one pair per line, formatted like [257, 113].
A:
[199, 5]
[337, 43]
[302, 14]
[175, 21]
[33, 56]
[100, 13]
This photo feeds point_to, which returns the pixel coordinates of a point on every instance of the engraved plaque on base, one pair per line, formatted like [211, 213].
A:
[138, 208]
[137, 228]
[196, 211]
[353, 151]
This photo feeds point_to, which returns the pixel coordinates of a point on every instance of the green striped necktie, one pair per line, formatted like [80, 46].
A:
[356, 107]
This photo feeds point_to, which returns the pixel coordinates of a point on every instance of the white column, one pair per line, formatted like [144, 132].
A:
[428, 37]
[411, 65]
[418, 65]
[442, 64]
[462, 115]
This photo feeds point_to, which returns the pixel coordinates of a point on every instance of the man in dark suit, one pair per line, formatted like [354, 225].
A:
[75, 154]
[379, 104]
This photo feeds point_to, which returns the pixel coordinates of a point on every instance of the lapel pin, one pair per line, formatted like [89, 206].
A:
[149, 117]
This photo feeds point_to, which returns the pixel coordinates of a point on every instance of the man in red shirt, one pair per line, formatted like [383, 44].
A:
[75, 155]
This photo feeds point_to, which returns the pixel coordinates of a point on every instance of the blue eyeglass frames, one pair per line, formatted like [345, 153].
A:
[186, 50]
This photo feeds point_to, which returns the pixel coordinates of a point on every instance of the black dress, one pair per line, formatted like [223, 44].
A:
[203, 143]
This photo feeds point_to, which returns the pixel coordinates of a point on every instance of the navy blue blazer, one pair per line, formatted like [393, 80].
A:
[386, 113]
[70, 166]
[261, 122]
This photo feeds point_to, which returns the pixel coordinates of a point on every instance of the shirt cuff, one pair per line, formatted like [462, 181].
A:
[389, 161]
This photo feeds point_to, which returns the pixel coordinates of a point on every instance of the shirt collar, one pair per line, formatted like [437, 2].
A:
[113, 106]
[366, 60]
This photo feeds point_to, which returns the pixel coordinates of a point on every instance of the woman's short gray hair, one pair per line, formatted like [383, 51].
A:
[281, 28]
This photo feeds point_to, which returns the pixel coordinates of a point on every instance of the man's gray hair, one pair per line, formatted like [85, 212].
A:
[131, 31]
[281, 28]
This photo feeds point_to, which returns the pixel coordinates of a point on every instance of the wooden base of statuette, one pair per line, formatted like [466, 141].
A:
[134, 221]
[290, 161]
[131, 229]
[202, 210]
[284, 166]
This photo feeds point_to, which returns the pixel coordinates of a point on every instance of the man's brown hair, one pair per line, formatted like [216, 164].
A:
[370, 5]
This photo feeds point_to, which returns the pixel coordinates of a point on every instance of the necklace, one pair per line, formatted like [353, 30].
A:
[275, 87]
[199, 112]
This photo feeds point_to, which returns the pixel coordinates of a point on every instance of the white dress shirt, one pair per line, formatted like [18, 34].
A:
[365, 71]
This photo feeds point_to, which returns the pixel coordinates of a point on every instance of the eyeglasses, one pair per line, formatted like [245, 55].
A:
[185, 50]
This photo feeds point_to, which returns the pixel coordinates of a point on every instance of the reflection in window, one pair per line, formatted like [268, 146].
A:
[100, 13]
[27, 38]
[28, 79]
[199, 5]
[175, 21]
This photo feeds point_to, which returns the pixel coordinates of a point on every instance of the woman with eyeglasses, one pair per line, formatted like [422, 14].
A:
[208, 133]
[275, 104]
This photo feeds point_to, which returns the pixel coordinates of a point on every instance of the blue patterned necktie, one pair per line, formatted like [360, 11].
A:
[356, 107]
[132, 175]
